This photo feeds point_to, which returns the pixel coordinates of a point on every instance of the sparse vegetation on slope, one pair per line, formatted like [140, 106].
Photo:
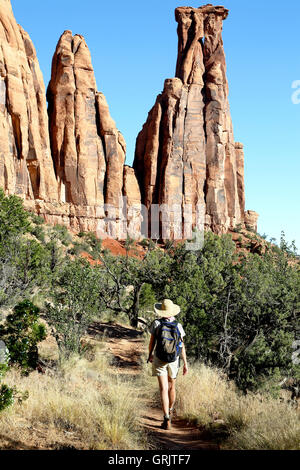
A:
[240, 311]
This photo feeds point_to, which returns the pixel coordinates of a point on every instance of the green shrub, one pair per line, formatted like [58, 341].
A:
[24, 262]
[37, 219]
[74, 302]
[21, 332]
[38, 232]
[241, 316]
[93, 244]
[78, 248]
[6, 393]
[238, 228]
[61, 232]
[6, 396]
[14, 220]
[147, 297]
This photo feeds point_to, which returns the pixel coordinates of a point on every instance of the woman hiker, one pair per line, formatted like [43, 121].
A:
[166, 345]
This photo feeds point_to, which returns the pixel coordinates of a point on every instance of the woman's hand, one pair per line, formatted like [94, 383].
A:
[150, 358]
[185, 369]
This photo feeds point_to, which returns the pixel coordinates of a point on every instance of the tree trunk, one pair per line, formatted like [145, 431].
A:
[134, 314]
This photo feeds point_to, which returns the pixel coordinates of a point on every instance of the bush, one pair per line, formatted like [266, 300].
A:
[147, 297]
[240, 315]
[14, 220]
[78, 248]
[38, 232]
[21, 332]
[238, 228]
[75, 300]
[122, 280]
[6, 393]
[24, 262]
[62, 234]
[37, 219]
[6, 397]
[92, 244]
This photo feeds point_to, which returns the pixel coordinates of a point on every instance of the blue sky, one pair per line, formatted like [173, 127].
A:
[134, 48]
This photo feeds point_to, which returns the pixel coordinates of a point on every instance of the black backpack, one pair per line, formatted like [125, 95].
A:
[168, 338]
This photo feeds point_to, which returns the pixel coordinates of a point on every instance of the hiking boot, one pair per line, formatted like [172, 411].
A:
[166, 424]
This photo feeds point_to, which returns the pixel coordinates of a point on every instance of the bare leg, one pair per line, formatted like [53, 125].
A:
[164, 393]
[172, 392]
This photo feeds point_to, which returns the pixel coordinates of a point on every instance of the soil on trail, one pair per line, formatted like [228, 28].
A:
[127, 346]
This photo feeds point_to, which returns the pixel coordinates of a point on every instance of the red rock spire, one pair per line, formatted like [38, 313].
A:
[186, 152]
[67, 165]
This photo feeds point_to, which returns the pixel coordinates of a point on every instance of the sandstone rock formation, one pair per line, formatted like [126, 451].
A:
[87, 149]
[251, 218]
[68, 162]
[26, 166]
[68, 166]
[239, 153]
[185, 153]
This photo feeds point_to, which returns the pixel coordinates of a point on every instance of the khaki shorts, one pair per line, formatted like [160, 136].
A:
[160, 368]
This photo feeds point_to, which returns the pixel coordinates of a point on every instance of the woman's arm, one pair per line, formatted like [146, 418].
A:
[151, 348]
[185, 365]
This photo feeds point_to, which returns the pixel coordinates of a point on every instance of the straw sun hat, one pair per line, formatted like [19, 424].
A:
[166, 309]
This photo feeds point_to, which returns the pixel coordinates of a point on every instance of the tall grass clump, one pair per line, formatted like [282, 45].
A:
[82, 400]
[238, 421]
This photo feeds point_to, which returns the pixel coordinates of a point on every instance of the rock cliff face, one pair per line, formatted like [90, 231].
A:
[87, 149]
[185, 153]
[68, 162]
[26, 166]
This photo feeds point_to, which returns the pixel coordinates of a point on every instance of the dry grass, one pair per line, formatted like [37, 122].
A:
[81, 406]
[86, 404]
[241, 422]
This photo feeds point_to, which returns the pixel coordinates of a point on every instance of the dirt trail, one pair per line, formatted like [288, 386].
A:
[127, 346]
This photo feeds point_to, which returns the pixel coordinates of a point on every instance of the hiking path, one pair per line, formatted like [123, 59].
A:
[127, 346]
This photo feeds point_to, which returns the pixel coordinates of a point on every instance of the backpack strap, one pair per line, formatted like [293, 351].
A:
[158, 327]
